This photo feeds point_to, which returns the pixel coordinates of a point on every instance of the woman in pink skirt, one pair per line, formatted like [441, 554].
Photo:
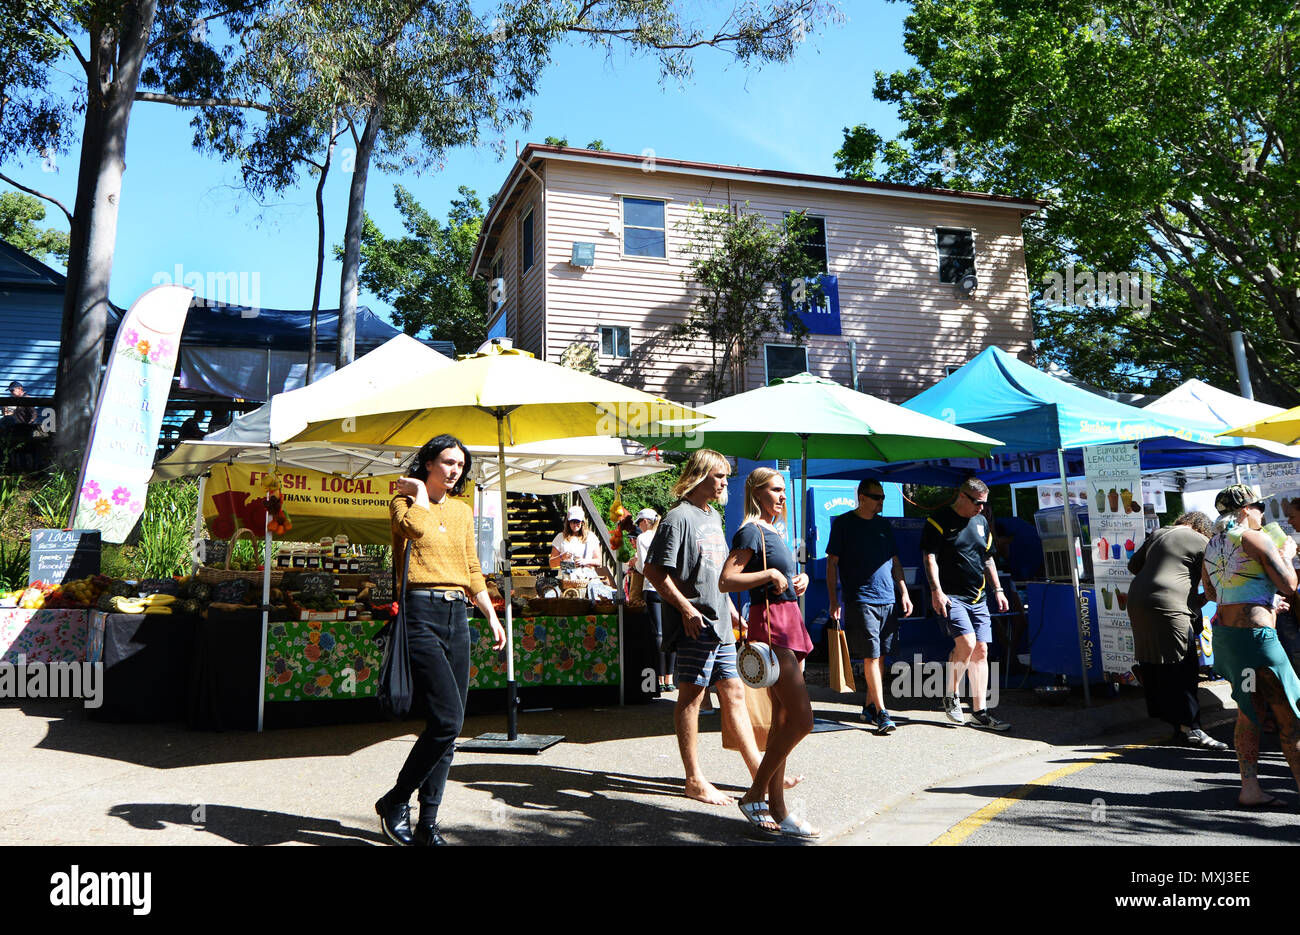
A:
[761, 563]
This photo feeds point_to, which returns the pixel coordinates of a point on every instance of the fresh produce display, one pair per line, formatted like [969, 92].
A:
[278, 521]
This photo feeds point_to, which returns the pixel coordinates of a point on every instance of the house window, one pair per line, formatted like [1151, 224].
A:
[814, 243]
[615, 342]
[643, 228]
[784, 360]
[527, 238]
[956, 253]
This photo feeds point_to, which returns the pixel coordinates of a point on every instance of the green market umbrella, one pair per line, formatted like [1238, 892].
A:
[804, 417]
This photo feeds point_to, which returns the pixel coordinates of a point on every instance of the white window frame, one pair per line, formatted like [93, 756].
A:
[938, 259]
[527, 262]
[803, 347]
[615, 329]
[623, 226]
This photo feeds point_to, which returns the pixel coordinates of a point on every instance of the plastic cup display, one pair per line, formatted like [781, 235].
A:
[1116, 550]
[1122, 597]
[1113, 497]
[1105, 597]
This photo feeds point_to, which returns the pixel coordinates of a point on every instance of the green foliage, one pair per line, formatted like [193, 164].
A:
[165, 529]
[52, 502]
[19, 216]
[14, 564]
[9, 488]
[738, 263]
[1161, 134]
[425, 275]
[117, 561]
[652, 490]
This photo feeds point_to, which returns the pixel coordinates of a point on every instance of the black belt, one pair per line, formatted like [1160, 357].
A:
[451, 594]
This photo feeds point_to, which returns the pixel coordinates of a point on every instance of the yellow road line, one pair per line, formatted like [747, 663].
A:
[976, 820]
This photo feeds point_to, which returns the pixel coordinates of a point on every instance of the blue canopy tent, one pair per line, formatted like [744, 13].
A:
[1036, 416]
[1040, 418]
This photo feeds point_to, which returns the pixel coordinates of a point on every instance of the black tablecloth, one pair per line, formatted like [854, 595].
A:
[146, 667]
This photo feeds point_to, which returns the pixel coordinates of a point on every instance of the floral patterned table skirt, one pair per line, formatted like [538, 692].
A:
[313, 660]
[42, 635]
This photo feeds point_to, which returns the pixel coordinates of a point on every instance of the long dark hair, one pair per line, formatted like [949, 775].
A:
[434, 447]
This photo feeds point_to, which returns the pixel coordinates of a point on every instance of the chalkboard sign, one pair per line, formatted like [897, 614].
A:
[381, 592]
[213, 552]
[61, 555]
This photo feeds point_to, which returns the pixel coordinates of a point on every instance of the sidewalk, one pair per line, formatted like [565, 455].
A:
[615, 780]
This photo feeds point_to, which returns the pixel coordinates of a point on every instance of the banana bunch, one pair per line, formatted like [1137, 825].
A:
[153, 604]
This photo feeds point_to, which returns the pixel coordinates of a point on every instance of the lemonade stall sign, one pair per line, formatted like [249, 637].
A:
[129, 412]
[1113, 476]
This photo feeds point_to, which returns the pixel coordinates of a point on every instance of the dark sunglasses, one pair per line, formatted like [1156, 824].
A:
[973, 500]
[880, 497]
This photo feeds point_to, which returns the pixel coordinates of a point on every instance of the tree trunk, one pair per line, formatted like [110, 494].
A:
[352, 239]
[117, 54]
[320, 250]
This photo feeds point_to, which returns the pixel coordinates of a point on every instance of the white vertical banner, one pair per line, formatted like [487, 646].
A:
[129, 412]
[1113, 475]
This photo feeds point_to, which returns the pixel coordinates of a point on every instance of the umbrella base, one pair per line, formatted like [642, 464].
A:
[501, 743]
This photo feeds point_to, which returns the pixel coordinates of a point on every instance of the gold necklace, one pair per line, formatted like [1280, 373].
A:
[442, 514]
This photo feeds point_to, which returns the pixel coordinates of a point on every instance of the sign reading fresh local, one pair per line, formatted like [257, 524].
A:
[318, 504]
[1113, 478]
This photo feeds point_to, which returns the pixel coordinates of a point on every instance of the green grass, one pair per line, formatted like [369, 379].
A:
[13, 565]
[166, 528]
[52, 501]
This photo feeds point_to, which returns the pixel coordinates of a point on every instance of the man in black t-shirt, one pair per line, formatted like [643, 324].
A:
[957, 550]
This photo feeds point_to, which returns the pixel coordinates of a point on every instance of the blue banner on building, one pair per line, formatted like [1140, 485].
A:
[820, 312]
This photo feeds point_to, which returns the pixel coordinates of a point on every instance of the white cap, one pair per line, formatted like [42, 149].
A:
[575, 512]
[647, 513]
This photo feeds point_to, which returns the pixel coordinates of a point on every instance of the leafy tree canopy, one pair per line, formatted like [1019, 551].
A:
[739, 262]
[1160, 131]
[424, 275]
[19, 216]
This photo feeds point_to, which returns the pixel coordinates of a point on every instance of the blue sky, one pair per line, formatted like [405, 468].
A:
[181, 208]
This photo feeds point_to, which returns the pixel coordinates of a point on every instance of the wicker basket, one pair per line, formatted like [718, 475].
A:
[211, 575]
[559, 607]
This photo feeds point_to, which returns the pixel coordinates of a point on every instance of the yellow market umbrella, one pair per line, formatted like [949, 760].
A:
[1283, 428]
[507, 397]
[502, 395]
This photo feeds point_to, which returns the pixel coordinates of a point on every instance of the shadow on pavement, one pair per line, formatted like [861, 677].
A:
[244, 825]
[529, 805]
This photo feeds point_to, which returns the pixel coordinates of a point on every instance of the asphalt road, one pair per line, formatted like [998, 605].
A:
[1134, 789]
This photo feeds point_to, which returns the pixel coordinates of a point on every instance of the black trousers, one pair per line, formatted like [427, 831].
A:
[654, 606]
[438, 634]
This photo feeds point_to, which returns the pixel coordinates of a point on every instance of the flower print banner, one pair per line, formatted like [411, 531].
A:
[1113, 481]
[129, 413]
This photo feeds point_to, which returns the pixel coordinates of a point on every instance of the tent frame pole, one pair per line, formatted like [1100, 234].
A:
[266, 615]
[1068, 520]
[512, 688]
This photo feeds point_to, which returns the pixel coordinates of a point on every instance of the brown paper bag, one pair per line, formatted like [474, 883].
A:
[759, 705]
[841, 665]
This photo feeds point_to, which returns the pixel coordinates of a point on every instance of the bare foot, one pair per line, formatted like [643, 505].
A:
[704, 791]
[790, 783]
[1264, 801]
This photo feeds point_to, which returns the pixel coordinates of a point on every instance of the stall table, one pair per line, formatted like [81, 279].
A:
[42, 635]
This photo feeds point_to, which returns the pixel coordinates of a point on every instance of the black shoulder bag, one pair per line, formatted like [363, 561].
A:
[396, 688]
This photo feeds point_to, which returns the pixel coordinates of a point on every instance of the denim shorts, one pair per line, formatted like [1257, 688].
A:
[966, 617]
[871, 628]
[704, 662]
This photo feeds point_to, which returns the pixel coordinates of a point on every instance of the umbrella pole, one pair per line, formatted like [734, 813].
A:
[621, 600]
[1068, 516]
[512, 689]
[511, 741]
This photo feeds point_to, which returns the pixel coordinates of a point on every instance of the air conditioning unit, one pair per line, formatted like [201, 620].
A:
[584, 254]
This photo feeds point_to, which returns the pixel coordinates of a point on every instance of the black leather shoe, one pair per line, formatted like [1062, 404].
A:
[394, 821]
[428, 836]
